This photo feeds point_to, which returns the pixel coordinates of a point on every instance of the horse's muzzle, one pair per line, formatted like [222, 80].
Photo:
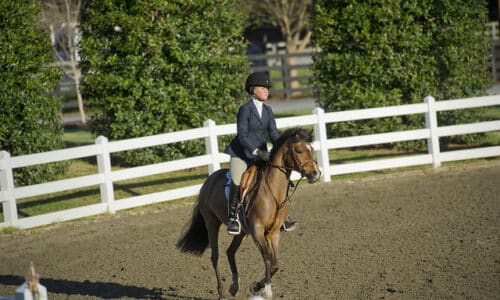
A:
[313, 176]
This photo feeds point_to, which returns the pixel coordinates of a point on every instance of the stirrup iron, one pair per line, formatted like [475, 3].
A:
[291, 228]
[239, 227]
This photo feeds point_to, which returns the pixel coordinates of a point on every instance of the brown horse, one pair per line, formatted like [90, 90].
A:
[265, 211]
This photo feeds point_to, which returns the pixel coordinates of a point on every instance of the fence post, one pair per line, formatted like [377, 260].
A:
[7, 189]
[494, 61]
[104, 168]
[212, 146]
[432, 124]
[320, 136]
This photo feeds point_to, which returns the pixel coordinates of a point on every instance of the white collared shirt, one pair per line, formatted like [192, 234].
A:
[258, 104]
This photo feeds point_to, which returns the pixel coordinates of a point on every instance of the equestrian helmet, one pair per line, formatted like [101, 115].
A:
[257, 79]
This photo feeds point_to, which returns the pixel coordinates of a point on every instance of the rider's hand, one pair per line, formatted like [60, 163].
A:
[264, 155]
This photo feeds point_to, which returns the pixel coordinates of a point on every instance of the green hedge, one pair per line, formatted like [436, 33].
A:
[393, 52]
[30, 119]
[154, 66]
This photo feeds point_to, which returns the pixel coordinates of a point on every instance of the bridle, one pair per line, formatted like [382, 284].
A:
[287, 171]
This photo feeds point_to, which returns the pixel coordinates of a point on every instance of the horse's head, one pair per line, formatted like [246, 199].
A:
[297, 153]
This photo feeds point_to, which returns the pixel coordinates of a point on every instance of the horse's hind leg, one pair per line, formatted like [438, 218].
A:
[231, 256]
[213, 225]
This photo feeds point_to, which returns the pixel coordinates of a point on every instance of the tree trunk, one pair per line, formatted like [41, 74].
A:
[295, 46]
[81, 109]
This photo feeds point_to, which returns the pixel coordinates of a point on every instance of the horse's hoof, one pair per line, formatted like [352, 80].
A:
[256, 287]
[234, 289]
[256, 297]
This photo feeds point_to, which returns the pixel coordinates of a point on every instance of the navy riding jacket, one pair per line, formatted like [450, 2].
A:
[252, 131]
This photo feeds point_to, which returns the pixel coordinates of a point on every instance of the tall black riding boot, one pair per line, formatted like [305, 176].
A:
[233, 226]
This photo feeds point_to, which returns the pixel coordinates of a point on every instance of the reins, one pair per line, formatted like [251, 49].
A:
[291, 185]
[287, 171]
[290, 155]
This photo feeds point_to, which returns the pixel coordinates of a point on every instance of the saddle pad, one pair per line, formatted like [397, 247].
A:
[228, 184]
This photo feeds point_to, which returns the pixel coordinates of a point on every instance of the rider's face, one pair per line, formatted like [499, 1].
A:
[261, 92]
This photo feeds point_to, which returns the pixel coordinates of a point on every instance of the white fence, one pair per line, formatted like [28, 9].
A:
[106, 177]
[492, 30]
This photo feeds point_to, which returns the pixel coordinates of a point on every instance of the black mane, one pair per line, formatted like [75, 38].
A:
[292, 135]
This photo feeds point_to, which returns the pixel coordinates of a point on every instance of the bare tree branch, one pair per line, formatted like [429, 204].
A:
[62, 18]
[290, 16]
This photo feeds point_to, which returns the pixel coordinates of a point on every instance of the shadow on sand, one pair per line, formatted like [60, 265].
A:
[102, 290]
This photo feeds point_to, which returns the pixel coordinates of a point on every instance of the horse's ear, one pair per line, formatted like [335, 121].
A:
[307, 133]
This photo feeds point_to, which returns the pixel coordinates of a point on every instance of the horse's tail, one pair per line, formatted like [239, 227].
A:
[195, 239]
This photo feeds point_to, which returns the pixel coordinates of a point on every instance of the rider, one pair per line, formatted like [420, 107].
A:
[255, 127]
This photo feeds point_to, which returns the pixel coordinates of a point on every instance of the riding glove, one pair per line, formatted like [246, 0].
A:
[264, 155]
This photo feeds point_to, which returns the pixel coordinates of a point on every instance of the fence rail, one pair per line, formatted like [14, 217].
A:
[106, 177]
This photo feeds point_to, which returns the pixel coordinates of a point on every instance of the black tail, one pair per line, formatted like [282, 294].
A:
[195, 239]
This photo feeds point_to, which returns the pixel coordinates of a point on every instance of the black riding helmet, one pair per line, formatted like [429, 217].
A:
[257, 79]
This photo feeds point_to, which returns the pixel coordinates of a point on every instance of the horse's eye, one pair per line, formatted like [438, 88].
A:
[298, 151]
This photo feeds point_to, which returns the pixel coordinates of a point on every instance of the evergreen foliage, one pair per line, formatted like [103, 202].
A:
[30, 116]
[393, 52]
[155, 66]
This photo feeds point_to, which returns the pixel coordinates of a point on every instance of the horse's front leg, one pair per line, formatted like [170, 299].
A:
[268, 293]
[265, 283]
[266, 252]
[274, 240]
[231, 253]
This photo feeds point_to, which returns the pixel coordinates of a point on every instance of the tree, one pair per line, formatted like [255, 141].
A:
[154, 66]
[62, 18]
[30, 115]
[290, 16]
[391, 52]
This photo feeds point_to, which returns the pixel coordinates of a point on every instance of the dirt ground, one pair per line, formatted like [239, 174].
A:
[431, 234]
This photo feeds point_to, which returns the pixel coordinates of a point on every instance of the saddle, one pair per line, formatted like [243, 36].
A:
[247, 180]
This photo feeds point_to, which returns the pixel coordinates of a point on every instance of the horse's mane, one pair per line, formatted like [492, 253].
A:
[292, 135]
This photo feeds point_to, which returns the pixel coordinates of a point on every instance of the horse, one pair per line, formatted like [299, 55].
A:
[266, 208]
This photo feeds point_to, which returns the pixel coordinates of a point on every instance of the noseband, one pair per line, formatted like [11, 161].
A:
[287, 171]
[301, 166]
[292, 153]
